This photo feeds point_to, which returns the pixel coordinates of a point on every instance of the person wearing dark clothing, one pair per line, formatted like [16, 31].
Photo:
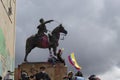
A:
[79, 76]
[93, 77]
[45, 76]
[79, 73]
[52, 59]
[59, 56]
[69, 76]
[0, 77]
[38, 76]
[42, 74]
[24, 75]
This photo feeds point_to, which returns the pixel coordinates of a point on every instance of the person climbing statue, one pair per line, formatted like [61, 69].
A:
[59, 56]
[42, 27]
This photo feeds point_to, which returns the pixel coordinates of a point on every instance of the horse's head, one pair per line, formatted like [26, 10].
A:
[62, 30]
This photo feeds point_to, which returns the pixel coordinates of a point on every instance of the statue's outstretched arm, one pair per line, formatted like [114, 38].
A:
[48, 21]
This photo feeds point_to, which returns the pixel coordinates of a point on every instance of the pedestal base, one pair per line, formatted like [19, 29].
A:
[56, 72]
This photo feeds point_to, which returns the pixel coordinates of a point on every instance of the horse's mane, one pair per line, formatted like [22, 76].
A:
[56, 29]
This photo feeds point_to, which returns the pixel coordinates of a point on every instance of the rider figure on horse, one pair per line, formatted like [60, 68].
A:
[42, 27]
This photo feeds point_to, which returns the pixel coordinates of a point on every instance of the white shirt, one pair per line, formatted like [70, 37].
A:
[7, 76]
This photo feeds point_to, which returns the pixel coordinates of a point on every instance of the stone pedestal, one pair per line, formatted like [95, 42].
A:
[56, 72]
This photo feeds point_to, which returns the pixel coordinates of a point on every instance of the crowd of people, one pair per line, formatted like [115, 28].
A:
[79, 76]
[40, 75]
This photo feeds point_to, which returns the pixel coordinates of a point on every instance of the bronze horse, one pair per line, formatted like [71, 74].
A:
[44, 41]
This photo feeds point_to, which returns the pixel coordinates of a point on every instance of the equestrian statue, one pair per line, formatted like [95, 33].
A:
[41, 40]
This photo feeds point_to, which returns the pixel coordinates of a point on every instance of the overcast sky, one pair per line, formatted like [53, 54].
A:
[93, 33]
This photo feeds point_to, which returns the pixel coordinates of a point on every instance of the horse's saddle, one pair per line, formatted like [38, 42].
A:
[43, 41]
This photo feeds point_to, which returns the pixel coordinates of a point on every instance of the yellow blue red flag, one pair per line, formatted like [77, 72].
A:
[73, 61]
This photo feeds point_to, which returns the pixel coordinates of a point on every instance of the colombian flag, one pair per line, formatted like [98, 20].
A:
[73, 61]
